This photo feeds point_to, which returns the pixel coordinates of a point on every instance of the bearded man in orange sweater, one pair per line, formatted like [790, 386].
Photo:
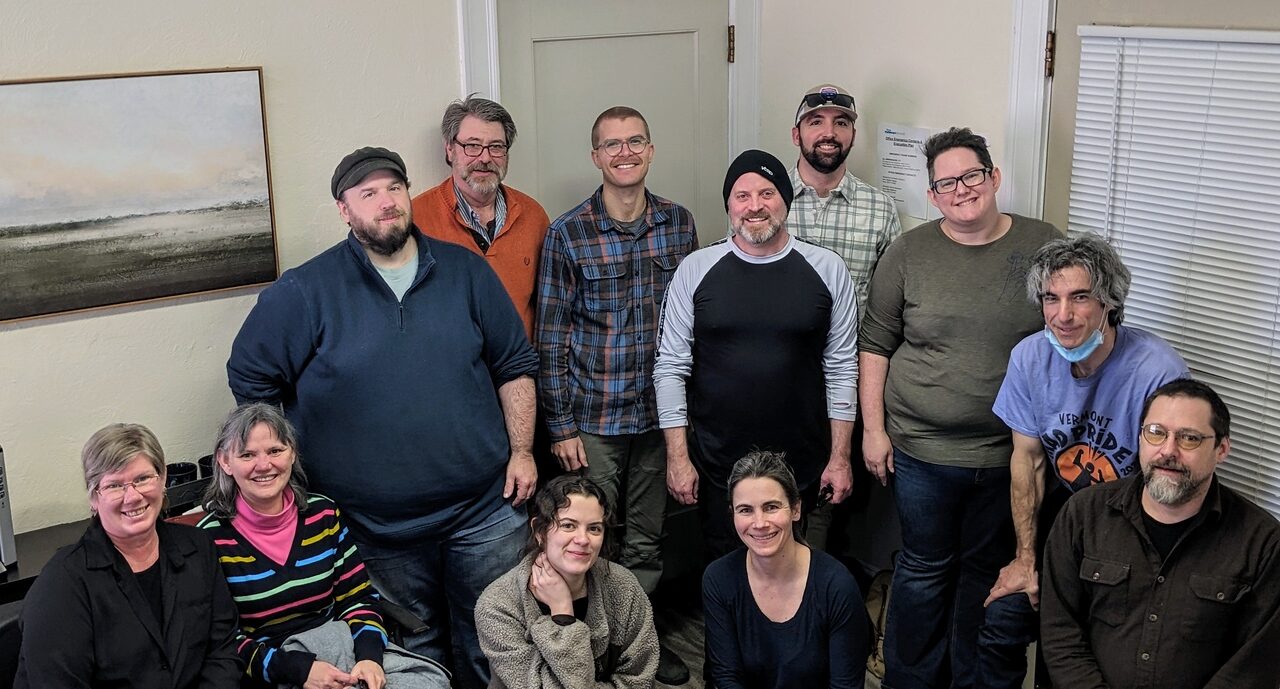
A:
[474, 209]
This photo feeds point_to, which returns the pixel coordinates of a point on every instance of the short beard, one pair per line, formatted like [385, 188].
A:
[758, 238]
[1171, 491]
[382, 243]
[823, 162]
[484, 188]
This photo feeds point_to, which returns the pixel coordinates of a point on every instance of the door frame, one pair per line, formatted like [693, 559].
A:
[1027, 131]
[479, 69]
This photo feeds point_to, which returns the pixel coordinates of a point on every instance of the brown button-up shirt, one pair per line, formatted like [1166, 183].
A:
[1114, 615]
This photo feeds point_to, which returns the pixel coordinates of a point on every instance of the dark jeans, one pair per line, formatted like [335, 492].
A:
[439, 581]
[1011, 625]
[956, 535]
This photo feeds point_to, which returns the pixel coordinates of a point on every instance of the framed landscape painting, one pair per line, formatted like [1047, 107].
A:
[122, 188]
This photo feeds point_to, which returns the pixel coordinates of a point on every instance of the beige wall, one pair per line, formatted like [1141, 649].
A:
[338, 75]
[907, 62]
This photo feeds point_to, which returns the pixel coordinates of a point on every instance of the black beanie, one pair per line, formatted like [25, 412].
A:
[762, 164]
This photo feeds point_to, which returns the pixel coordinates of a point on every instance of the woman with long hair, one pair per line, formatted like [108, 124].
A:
[309, 616]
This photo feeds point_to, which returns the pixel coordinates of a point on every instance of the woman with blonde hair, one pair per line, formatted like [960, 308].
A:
[137, 602]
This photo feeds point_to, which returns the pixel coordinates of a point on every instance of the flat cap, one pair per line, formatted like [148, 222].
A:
[360, 162]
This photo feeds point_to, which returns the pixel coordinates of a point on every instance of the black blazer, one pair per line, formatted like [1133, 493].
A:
[85, 622]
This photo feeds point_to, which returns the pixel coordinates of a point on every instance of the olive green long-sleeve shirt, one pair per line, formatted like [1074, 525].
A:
[946, 315]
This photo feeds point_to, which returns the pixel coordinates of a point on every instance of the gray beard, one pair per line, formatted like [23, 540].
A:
[1170, 491]
[761, 237]
[484, 188]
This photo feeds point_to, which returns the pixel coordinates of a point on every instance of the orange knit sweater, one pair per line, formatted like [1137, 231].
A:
[515, 252]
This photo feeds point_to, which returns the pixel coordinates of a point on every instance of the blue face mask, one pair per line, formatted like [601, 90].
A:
[1075, 354]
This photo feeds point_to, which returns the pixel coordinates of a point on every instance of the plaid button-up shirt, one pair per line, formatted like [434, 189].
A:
[600, 291]
[856, 220]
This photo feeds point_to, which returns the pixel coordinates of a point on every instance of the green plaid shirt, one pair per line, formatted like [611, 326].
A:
[856, 220]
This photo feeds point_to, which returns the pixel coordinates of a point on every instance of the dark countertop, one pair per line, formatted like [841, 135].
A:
[34, 550]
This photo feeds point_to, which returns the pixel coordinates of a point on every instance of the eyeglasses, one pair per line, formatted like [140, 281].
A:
[613, 147]
[1155, 434]
[971, 179]
[473, 150]
[115, 491]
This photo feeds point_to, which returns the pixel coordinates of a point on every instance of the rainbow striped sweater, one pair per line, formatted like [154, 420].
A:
[322, 580]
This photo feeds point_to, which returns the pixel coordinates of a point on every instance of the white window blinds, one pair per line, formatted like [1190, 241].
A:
[1177, 162]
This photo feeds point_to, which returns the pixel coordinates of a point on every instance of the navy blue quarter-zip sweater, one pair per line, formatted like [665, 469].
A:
[395, 402]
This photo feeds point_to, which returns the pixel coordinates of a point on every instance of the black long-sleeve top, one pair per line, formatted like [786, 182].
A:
[823, 645]
[87, 623]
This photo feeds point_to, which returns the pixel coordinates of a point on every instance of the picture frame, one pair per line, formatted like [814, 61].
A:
[123, 188]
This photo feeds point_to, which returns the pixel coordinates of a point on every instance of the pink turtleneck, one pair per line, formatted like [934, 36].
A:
[272, 534]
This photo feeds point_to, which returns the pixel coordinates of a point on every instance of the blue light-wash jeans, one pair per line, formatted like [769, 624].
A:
[957, 533]
[440, 580]
[1011, 625]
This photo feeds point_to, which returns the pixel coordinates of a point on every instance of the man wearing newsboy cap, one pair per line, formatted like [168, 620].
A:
[407, 372]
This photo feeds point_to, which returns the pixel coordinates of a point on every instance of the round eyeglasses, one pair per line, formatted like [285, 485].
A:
[1155, 434]
[614, 147]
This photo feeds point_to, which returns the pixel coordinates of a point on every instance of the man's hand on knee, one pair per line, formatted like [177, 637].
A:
[1019, 576]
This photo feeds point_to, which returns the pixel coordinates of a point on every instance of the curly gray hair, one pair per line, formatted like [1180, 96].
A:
[1108, 278]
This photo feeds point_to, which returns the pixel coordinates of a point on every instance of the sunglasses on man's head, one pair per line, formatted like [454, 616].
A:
[814, 100]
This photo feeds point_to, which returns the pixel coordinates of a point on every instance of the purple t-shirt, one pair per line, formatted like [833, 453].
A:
[1088, 426]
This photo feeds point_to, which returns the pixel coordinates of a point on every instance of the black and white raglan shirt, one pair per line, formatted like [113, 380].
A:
[758, 352]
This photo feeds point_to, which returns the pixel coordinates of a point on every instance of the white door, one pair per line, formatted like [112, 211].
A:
[1236, 14]
[563, 62]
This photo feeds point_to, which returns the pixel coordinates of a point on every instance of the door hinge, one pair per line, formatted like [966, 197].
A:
[1049, 45]
[731, 46]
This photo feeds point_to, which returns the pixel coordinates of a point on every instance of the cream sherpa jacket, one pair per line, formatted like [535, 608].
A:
[616, 647]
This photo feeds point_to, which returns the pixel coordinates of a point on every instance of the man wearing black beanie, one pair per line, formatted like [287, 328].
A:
[757, 349]
[762, 164]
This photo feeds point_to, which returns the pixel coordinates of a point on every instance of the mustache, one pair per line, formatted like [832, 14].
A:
[1170, 465]
[482, 166]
